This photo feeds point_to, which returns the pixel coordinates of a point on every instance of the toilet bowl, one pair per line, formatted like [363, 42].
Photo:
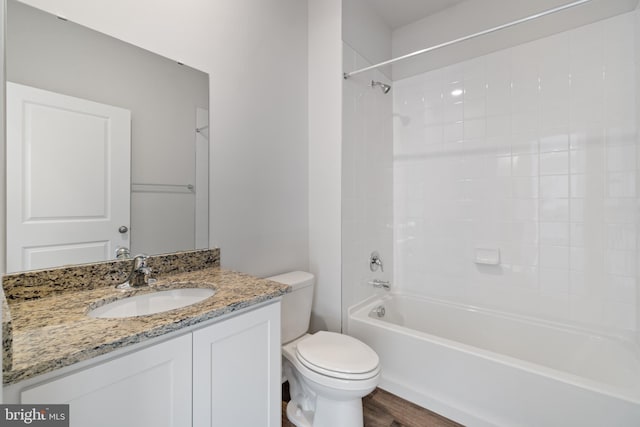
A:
[328, 373]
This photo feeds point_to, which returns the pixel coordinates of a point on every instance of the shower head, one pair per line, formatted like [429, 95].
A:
[384, 87]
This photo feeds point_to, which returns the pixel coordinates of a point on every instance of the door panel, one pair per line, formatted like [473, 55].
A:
[68, 179]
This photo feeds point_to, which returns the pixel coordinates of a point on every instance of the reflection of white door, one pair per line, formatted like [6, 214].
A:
[68, 179]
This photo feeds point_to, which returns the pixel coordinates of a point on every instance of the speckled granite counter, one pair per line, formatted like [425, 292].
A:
[50, 329]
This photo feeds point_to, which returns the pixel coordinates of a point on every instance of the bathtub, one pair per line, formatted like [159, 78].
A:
[487, 368]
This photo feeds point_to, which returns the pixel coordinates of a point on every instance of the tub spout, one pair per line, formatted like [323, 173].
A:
[377, 283]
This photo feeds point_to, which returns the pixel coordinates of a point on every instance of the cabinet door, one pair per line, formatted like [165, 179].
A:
[236, 371]
[151, 387]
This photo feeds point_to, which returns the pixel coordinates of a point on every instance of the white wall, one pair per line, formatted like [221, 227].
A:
[536, 157]
[367, 181]
[256, 55]
[366, 33]
[325, 157]
[3, 198]
[637, 63]
[472, 16]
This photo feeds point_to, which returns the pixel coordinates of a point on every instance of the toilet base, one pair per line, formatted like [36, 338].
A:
[328, 413]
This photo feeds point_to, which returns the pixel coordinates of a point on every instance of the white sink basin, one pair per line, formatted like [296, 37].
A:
[154, 302]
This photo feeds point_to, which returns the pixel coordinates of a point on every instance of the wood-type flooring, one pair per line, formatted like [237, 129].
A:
[383, 409]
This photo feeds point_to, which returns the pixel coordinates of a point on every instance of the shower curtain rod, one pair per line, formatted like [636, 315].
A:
[469, 37]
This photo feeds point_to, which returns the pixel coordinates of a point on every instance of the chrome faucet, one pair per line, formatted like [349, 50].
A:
[384, 284]
[375, 261]
[140, 274]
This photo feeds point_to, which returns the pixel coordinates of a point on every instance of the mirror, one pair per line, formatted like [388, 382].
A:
[168, 107]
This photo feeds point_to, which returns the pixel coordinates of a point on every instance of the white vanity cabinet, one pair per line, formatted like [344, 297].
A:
[150, 387]
[236, 371]
[225, 373]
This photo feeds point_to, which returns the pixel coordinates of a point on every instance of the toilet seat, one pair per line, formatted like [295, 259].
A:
[338, 356]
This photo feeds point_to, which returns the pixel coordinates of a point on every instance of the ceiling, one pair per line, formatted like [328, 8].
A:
[398, 13]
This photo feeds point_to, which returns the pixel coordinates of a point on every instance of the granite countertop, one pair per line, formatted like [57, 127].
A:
[53, 331]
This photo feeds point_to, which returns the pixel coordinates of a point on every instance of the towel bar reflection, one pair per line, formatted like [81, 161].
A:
[162, 188]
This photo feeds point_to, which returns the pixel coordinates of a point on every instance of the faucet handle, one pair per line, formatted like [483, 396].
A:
[375, 261]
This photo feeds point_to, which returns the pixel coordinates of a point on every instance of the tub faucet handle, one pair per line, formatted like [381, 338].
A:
[375, 261]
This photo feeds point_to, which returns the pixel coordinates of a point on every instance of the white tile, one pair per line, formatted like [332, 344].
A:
[556, 257]
[498, 126]
[585, 135]
[577, 234]
[521, 255]
[619, 96]
[526, 56]
[590, 160]
[556, 54]
[621, 236]
[554, 114]
[578, 258]
[525, 165]
[554, 233]
[586, 46]
[433, 135]
[498, 99]
[502, 165]
[525, 232]
[620, 210]
[554, 140]
[474, 129]
[554, 281]
[619, 40]
[498, 65]
[474, 88]
[554, 163]
[453, 132]
[524, 122]
[587, 94]
[454, 111]
[525, 187]
[498, 145]
[576, 210]
[621, 184]
[621, 158]
[621, 263]
[525, 276]
[525, 209]
[554, 186]
[621, 289]
[586, 309]
[554, 209]
[619, 315]
[474, 108]
[586, 284]
[524, 143]
[621, 134]
[578, 187]
[555, 88]
[432, 116]
[525, 94]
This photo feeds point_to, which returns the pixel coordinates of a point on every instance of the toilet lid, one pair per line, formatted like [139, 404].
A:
[337, 355]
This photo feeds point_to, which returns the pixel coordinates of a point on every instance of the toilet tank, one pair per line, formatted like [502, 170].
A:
[296, 306]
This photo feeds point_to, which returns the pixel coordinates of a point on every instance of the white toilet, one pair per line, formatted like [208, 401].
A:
[328, 373]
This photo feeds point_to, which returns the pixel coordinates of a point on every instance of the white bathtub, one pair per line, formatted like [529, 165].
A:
[485, 368]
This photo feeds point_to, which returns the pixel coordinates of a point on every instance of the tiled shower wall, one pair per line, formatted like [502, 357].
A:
[367, 181]
[532, 151]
